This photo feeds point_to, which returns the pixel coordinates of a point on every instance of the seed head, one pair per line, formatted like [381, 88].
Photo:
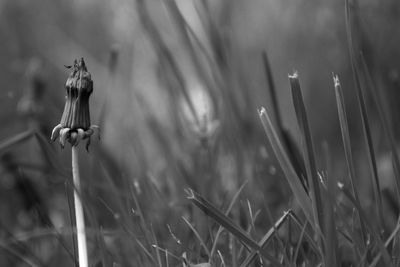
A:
[75, 121]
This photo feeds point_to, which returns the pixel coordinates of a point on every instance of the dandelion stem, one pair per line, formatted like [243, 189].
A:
[79, 215]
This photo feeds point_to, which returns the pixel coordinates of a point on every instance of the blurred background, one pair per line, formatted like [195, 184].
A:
[177, 86]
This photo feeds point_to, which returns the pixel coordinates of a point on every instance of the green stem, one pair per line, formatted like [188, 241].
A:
[79, 215]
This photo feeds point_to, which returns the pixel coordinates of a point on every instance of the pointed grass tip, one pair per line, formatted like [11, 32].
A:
[336, 80]
[295, 75]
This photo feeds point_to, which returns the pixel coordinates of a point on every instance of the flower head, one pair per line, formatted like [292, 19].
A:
[75, 121]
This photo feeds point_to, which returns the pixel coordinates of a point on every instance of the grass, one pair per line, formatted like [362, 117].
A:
[256, 194]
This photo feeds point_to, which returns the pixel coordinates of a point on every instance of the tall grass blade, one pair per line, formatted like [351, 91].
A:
[299, 242]
[228, 210]
[287, 168]
[266, 238]
[373, 230]
[331, 236]
[148, 254]
[272, 91]
[290, 146]
[347, 146]
[164, 53]
[387, 129]
[387, 243]
[229, 225]
[350, 233]
[140, 213]
[184, 29]
[345, 133]
[309, 154]
[364, 120]
[310, 239]
[203, 244]
[158, 255]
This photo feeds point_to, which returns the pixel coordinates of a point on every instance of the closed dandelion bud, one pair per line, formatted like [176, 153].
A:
[75, 121]
[79, 87]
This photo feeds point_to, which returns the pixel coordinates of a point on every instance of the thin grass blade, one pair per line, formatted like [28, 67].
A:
[228, 224]
[272, 91]
[373, 230]
[287, 168]
[289, 144]
[299, 242]
[17, 254]
[347, 147]
[203, 244]
[309, 154]
[364, 120]
[266, 238]
[228, 210]
[15, 140]
[383, 116]
[156, 243]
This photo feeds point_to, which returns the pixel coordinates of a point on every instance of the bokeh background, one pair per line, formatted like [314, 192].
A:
[155, 64]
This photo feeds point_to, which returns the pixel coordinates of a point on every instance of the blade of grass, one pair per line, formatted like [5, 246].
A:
[127, 230]
[347, 147]
[332, 247]
[312, 242]
[289, 144]
[164, 52]
[252, 226]
[45, 218]
[167, 252]
[272, 91]
[309, 154]
[266, 238]
[140, 213]
[15, 140]
[373, 230]
[148, 254]
[383, 116]
[331, 242]
[227, 223]
[390, 238]
[184, 29]
[156, 243]
[233, 250]
[287, 168]
[228, 210]
[299, 242]
[17, 246]
[166, 258]
[198, 237]
[364, 121]
[222, 259]
[17, 254]
[352, 236]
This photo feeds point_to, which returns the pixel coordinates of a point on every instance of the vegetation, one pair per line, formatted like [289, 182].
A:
[189, 175]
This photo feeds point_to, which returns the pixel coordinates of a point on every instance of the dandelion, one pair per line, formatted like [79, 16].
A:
[74, 127]
[75, 121]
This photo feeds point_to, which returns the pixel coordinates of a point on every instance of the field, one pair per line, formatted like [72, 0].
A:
[218, 133]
